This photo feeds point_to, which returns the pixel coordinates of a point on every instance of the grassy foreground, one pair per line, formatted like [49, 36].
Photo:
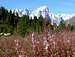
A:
[47, 44]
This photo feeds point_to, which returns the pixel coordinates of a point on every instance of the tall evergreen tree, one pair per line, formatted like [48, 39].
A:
[23, 25]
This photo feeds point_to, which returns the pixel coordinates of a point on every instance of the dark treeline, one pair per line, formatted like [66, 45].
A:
[10, 22]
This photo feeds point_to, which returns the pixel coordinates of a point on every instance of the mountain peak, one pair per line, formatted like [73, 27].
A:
[42, 7]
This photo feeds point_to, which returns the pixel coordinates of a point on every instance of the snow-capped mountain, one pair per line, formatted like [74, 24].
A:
[67, 16]
[45, 12]
[40, 11]
[21, 12]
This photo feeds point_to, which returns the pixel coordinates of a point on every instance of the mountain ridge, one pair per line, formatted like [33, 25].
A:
[45, 12]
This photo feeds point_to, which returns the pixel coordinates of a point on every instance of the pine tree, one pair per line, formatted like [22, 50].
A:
[40, 24]
[23, 25]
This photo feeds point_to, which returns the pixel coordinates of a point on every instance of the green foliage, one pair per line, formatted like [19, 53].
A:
[8, 20]
[71, 27]
[23, 25]
[27, 25]
[11, 22]
[60, 27]
[38, 24]
[50, 26]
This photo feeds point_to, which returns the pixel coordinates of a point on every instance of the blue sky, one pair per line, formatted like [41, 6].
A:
[56, 6]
